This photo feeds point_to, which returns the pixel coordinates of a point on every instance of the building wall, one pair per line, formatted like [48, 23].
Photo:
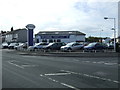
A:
[2, 38]
[8, 38]
[72, 38]
[19, 36]
[22, 36]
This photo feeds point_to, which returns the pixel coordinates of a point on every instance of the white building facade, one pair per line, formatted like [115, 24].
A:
[60, 36]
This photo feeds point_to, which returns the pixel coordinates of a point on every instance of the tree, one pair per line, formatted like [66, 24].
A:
[2, 32]
[11, 28]
[93, 39]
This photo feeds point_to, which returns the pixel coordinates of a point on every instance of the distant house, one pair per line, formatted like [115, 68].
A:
[118, 39]
[2, 36]
[107, 40]
[19, 35]
[60, 36]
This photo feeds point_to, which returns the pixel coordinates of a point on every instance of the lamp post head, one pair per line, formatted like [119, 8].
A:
[113, 29]
[105, 17]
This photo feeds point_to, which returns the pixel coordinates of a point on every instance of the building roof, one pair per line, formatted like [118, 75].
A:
[15, 31]
[60, 32]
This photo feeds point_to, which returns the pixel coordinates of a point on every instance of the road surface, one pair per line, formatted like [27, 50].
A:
[26, 71]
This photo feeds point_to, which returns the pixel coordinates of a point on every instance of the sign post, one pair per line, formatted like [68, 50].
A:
[30, 28]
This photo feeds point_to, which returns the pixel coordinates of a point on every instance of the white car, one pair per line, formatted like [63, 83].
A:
[12, 45]
[5, 45]
[37, 46]
[72, 46]
[19, 46]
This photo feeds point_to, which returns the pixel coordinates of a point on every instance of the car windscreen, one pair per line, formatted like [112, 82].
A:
[13, 43]
[69, 44]
[20, 44]
[44, 44]
[50, 44]
[91, 44]
[4, 43]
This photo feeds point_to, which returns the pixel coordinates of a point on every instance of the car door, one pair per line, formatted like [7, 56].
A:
[53, 46]
[98, 46]
[58, 45]
[75, 46]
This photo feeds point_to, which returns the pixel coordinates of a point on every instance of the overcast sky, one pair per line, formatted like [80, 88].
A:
[86, 16]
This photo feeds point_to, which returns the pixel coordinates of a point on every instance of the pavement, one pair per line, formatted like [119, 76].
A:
[70, 54]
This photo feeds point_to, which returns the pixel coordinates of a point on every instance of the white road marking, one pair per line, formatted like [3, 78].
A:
[64, 84]
[94, 62]
[110, 63]
[15, 65]
[21, 66]
[101, 62]
[29, 65]
[70, 86]
[86, 61]
[56, 74]
[14, 61]
[29, 56]
[91, 76]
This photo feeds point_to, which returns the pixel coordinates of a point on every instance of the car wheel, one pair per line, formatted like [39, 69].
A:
[35, 49]
[69, 49]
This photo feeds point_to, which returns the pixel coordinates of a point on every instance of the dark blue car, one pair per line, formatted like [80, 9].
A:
[95, 46]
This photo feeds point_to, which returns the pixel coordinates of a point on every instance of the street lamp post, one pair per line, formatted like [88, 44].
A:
[114, 28]
[101, 36]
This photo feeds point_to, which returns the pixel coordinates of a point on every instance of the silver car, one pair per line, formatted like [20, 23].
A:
[72, 46]
[37, 46]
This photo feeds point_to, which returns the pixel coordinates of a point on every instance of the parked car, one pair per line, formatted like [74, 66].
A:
[95, 46]
[72, 46]
[110, 46]
[19, 46]
[37, 46]
[12, 45]
[54, 46]
[25, 45]
[4, 45]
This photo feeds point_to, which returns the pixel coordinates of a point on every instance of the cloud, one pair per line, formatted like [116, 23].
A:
[83, 15]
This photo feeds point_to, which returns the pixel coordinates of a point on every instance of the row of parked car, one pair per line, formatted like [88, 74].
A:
[16, 46]
[72, 46]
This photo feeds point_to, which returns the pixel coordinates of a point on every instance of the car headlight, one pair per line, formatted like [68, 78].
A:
[65, 47]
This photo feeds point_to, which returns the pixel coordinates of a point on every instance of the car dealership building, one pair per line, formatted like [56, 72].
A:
[59, 36]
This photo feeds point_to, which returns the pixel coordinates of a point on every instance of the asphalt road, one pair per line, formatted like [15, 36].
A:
[25, 71]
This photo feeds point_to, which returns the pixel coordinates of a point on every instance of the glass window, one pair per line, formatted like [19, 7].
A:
[58, 40]
[37, 40]
[54, 40]
[50, 41]
[44, 40]
[76, 44]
